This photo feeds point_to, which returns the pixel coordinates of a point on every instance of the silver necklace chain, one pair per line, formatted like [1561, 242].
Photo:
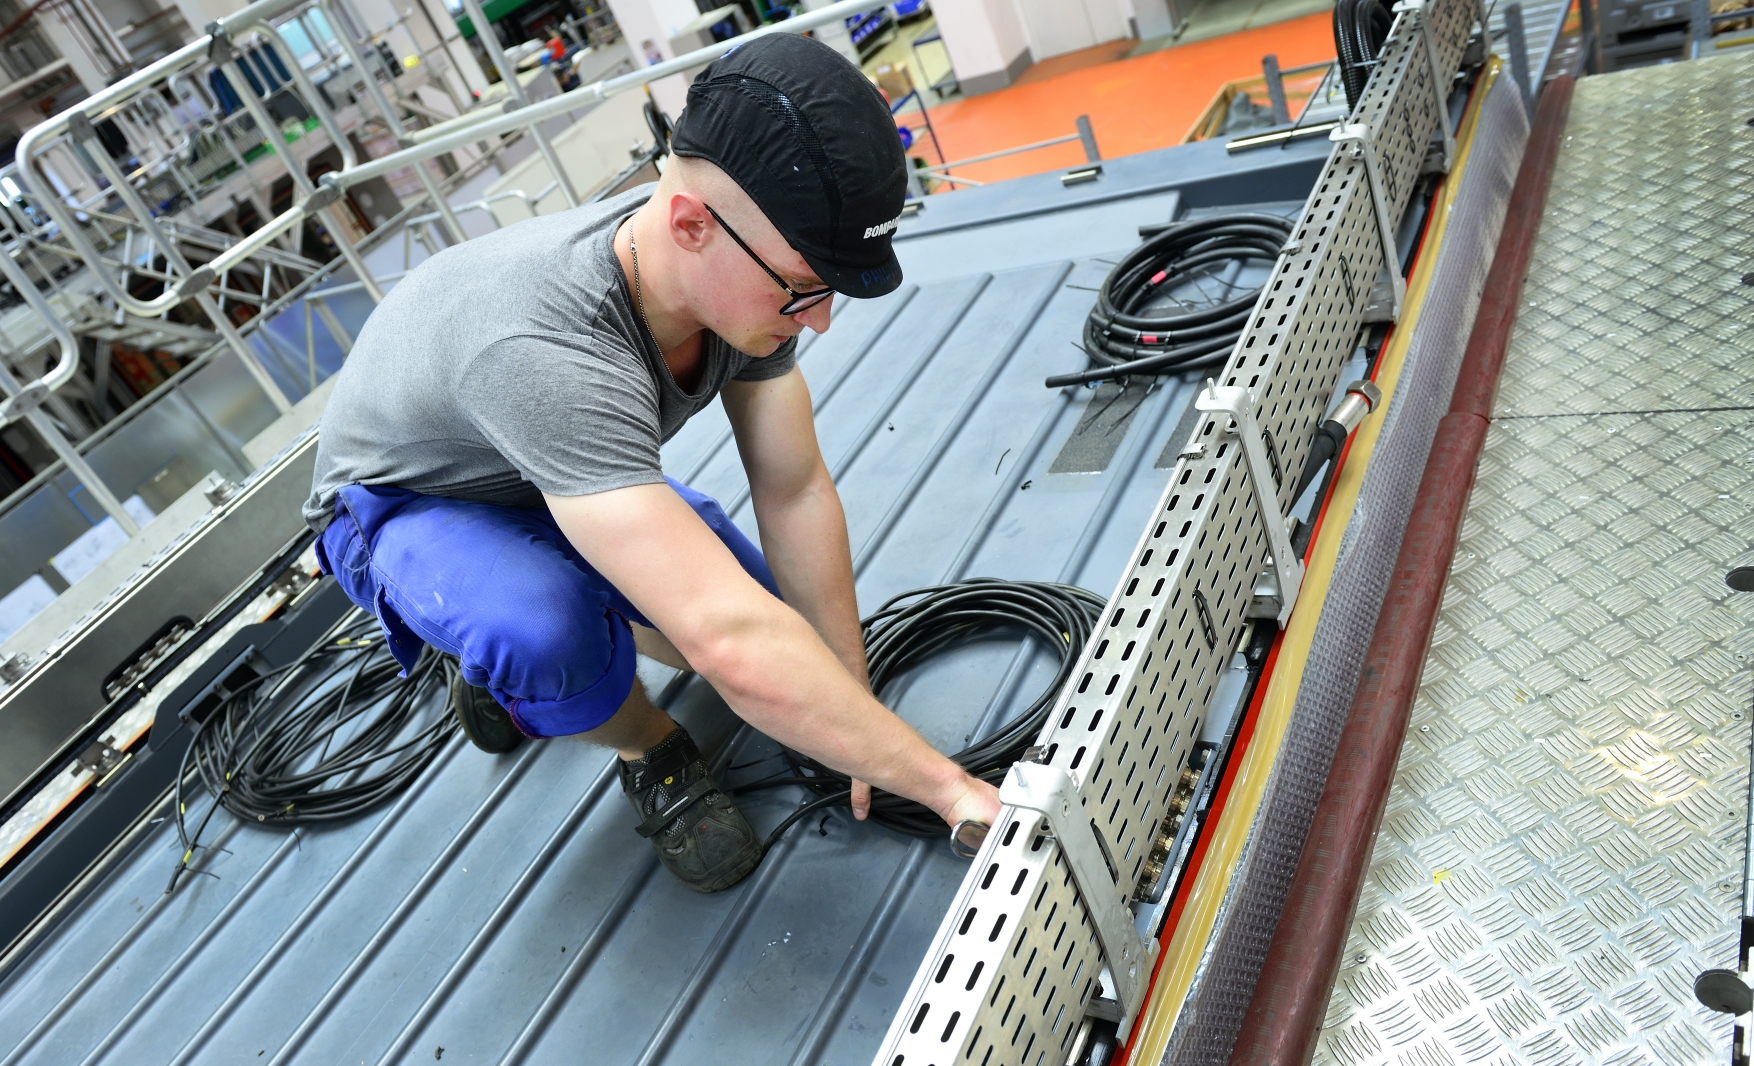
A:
[638, 301]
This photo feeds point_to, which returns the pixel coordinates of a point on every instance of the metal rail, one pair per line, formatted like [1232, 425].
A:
[1023, 956]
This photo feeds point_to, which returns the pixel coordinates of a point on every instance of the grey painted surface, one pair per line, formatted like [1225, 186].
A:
[504, 910]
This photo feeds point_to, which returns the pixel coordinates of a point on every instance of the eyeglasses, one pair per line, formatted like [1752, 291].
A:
[798, 301]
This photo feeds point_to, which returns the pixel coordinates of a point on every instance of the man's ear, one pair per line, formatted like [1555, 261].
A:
[688, 221]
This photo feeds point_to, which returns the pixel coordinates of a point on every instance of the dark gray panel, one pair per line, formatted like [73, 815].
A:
[440, 921]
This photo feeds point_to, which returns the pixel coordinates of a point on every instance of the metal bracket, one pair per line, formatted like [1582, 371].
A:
[1053, 793]
[1418, 10]
[1276, 592]
[1357, 134]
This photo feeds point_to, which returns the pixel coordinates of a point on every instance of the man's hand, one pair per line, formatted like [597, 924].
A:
[761, 655]
[861, 800]
[976, 801]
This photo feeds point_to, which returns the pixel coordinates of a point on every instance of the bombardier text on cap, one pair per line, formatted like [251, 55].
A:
[883, 230]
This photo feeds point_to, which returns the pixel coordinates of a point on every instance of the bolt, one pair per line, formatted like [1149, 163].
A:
[1361, 959]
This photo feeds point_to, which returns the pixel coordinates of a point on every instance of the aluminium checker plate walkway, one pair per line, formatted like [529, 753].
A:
[1563, 848]
[503, 910]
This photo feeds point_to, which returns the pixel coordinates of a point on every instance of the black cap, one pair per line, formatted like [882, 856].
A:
[812, 143]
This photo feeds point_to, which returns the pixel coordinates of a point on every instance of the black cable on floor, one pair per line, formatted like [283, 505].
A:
[918, 625]
[354, 735]
[1130, 332]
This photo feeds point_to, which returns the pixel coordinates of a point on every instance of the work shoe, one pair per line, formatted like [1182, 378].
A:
[700, 834]
[484, 721]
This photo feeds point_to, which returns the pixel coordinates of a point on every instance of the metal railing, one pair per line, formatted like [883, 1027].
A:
[139, 237]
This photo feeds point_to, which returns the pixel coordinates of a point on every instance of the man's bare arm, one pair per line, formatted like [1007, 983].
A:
[803, 528]
[763, 657]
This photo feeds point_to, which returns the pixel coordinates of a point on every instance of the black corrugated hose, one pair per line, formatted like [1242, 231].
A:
[1360, 28]
[1125, 337]
[323, 757]
[915, 626]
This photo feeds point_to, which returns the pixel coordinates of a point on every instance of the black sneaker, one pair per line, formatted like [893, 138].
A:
[700, 834]
[484, 721]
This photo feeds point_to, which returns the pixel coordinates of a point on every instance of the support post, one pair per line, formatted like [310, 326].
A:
[1275, 90]
[1052, 792]
[1358, 135]
[1085, 134]
[1592, 37]
[225, 57]
[453, 227]
[1417, 10]
[1519, 53]
[1699, 29]
[496, 55]
[1276, 593]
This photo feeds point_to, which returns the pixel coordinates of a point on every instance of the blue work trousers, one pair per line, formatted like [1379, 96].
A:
[503, 590]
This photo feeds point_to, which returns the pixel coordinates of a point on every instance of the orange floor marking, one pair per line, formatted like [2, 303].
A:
[1134, 104]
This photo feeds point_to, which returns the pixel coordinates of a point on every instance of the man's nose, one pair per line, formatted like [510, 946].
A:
[817, 317]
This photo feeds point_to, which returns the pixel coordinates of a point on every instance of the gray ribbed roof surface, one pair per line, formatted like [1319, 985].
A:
[502, 910]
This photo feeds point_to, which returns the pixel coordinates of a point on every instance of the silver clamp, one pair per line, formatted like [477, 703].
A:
[1358, 135]
[1051, 792]
[1276, 591]
[1419, 10]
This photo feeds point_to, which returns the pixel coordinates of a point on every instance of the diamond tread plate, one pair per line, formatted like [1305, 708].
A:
[1561, 851]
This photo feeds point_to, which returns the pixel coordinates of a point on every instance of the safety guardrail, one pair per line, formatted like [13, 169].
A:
[134, 104]
[1043, 931]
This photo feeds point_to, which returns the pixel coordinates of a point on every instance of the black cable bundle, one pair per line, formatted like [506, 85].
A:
[1123, 338]
[915, 626]
[322, 757]
[1360, 28]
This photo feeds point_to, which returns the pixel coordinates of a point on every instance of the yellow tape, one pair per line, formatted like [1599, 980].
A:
[1188, 944]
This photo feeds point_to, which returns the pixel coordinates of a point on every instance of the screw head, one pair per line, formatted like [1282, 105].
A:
[1361, 959]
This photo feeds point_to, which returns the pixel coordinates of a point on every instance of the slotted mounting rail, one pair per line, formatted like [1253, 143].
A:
[1019, 961]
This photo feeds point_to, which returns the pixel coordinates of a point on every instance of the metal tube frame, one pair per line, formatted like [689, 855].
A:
[509, 75]
[350, 47]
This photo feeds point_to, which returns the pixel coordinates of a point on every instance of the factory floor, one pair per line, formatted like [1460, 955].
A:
[1135, 103]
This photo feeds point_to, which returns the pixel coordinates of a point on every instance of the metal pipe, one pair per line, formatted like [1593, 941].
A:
[312, 99]
[174, 256]
[1519, 53]
[227, 61]
[427, 145]
[509, 75]
[453, 227]
[25, 399]
[52, 436]
[1699, 29]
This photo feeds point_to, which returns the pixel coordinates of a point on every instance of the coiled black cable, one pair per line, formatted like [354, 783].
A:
[915, 626]
[1124, 337]
[1360, 28]
[354, 735]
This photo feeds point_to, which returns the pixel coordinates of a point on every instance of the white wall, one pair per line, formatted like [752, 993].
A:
[1054, 27]
[650, 24]
[985, 39]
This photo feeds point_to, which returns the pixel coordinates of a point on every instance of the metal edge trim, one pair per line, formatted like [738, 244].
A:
[1181, 957]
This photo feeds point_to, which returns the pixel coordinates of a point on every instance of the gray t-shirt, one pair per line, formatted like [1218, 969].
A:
[512, 365]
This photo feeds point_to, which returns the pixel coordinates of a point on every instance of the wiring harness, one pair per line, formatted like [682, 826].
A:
[915, 626]
[352, 735]
[1360, 28]
[1130, 332]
